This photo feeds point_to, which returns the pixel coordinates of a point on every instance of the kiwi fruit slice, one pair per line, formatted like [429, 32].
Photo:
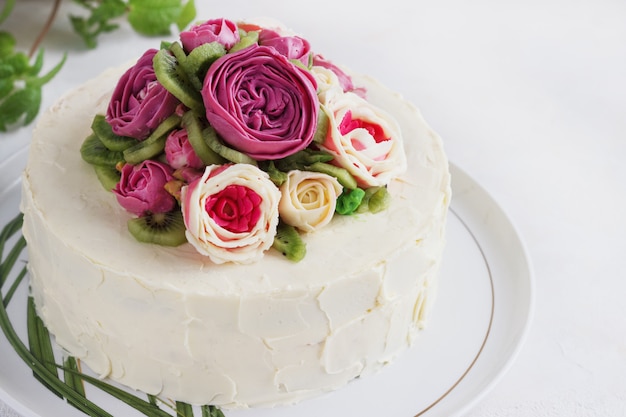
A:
[288, 242]
[192, 124]
[108, 176]
[200, 59]
[165, 229]
[343, 176]
[173, 77]
[94, 152]
[209, 135]
[245, 40]
[154, 144]
[113, 142]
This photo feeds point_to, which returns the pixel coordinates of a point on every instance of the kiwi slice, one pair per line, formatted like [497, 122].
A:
[192, 124]
[209, 135]
[108, 176]
[173, 77]
[343, 176]
[113, 142]
[376, 199]
[200, 59]
[288, 242]
[94, 152]
[245, 40]
[322, 127]
[166, 229]
[154, 144]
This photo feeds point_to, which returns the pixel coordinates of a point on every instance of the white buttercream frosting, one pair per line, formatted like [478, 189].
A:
[170, 322]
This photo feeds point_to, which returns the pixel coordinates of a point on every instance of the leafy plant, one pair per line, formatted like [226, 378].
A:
[20, 82]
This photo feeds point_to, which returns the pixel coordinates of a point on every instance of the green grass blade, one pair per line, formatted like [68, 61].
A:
[39, 344]
[145, 407]
[211, 411]
[184, 409]
[14, 286]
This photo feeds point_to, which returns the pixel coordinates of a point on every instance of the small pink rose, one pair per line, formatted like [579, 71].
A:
[292, 47]
[141, 188]
[344, 79]
[179, 152]
[216, 30]
[139, 103]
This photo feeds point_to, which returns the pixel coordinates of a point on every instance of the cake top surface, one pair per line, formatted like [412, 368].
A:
[247, 133]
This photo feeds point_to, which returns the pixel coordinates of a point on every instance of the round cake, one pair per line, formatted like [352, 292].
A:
[238, 322]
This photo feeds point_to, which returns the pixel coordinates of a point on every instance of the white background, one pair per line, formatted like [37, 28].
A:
[530, 99]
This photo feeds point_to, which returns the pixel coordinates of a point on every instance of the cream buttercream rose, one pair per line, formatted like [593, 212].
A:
[308, 199]
[231, 213]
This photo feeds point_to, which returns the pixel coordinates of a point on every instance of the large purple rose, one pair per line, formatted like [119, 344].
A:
[139, 103]
[260, 103]
[141, 188]
[216, 30]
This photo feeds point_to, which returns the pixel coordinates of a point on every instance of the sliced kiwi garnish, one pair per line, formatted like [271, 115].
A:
[322, 127]
[209, 135]
[113, 142]
[200, 59]
[154, 144]
[108, 176]
[173, 77]
[194, 128]
[245, 40]
[376, 199]
[288, 242]
[166, 229]
[94, 152]
[343, 176]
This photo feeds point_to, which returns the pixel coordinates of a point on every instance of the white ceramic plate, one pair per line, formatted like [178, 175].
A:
[478, 325]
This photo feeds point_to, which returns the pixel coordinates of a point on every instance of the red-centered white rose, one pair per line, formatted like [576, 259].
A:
[308, 199]
[365, 140]
[231, 213]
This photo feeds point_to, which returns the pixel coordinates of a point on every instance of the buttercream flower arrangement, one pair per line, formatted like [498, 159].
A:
[238, 138]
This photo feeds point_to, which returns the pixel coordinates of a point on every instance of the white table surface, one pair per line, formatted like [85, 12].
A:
[530, 98]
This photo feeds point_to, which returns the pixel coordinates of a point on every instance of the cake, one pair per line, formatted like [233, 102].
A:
[225, 314]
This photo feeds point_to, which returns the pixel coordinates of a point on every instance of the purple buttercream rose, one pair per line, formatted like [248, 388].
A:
[293, 47]
[260, 103]
[179, 152]
[139, 103]
[216, 30]
[141, 188]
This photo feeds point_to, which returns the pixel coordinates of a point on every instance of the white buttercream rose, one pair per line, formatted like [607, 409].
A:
[328, 85]
[308, 199]
[231, 213]
[364, 139]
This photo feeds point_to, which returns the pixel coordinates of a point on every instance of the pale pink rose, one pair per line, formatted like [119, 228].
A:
[308, 199]
[292, 47]
[231, 213]
[179, 152]
[365, 140]
[222, 31]
[141, 188]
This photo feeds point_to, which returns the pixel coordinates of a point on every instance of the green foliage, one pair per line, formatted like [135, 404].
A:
[20, 84]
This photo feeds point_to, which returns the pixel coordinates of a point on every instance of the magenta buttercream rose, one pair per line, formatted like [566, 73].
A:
[141, 188]
[260, 103]
[222, 31]
[139, 103]
[179, 153]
